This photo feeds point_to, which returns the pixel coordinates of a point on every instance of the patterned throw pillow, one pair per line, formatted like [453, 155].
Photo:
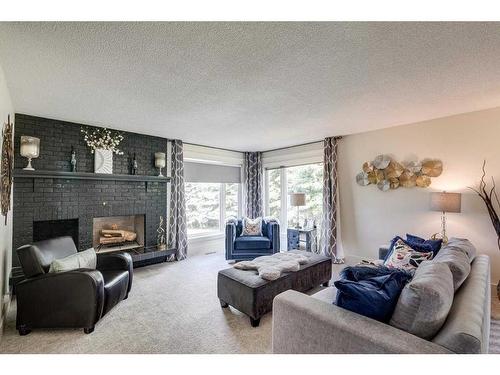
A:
[404, 257]
[252, 227]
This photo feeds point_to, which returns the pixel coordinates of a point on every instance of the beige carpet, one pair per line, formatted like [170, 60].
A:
[172, 308]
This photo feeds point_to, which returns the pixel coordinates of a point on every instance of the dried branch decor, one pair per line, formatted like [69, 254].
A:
[7, 165]
[102, 138]
[489, 198]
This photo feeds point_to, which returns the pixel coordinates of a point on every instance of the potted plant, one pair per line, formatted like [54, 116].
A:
[490, 199]
[103, 143]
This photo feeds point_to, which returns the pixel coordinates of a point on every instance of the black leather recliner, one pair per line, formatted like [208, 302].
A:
[71, 299]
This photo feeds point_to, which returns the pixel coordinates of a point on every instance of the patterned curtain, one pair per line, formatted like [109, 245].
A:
[177, 232]
[252, 184]
[330, 191]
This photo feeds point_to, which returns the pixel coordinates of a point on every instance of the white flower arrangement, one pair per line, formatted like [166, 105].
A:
[102, 138]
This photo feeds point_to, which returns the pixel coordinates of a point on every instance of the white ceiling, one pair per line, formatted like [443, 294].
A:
[250, 86]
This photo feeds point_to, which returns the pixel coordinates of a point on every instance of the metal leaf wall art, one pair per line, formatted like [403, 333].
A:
[389, 174]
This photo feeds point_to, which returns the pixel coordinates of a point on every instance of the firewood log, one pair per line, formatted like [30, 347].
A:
[110, 240]
[126, 234]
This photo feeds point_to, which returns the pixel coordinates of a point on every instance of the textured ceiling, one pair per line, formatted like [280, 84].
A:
[250, 86]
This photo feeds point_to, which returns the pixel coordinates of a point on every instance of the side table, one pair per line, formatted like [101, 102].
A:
[297, 236]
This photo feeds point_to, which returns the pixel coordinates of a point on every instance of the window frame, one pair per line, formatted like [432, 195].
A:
[222, 213]
[284, 195]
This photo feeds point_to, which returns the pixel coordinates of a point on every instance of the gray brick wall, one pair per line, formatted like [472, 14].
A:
[57, 137]
[59, 199]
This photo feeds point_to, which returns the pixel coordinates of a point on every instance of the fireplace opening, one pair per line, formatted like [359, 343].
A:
[118, 233]
[47, 229]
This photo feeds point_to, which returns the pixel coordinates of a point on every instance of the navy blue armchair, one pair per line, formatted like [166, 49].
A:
[240, 247]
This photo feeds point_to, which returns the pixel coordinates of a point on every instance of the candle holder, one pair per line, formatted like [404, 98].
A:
[30, 148]
[160, 161]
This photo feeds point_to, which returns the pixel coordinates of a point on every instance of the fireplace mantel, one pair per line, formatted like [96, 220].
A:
[20, 173]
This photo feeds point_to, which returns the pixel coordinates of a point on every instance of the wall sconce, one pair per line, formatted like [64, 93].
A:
[160, 161]
[30, 148]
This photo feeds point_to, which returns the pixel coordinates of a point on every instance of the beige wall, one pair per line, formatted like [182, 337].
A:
[370, 217]
[5, 230]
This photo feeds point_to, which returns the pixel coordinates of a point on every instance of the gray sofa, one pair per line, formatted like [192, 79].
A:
[312, 324]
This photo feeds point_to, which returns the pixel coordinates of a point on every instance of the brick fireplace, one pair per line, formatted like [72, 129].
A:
[53, 194]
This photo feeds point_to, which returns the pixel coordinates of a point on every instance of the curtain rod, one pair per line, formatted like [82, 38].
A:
[217, 148]
[301, 144]
[291, 166]
[274, 149]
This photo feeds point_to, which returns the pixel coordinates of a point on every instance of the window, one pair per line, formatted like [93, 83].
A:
[213, 193]
[281, 182]
[274, 192]
[208, 204]
[306, 179]
[202, 207]
[231, 206]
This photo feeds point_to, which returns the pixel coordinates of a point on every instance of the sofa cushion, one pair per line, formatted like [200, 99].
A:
[404, 257]
[425, 301]
[251, 243]
[457, 261]
[375, 297]
[327, 294]
[464, 245]
[467, 327]
[83, 259]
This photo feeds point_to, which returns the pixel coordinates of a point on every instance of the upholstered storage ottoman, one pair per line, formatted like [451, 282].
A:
[252, 295]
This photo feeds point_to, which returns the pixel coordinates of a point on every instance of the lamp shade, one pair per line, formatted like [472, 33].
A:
[297, 199]
[160, 160]
[446, 202]
[30, 147]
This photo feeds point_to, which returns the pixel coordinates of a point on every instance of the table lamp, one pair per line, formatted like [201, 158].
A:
[30, 148]
[297, 200]
[445, 202]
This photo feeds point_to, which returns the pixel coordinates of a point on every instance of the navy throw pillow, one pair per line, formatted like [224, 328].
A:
[375, 297]
[413, 238]
[363, 272]
[419, 243]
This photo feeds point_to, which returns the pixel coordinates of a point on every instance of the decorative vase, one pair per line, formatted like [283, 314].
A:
[103, 161]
